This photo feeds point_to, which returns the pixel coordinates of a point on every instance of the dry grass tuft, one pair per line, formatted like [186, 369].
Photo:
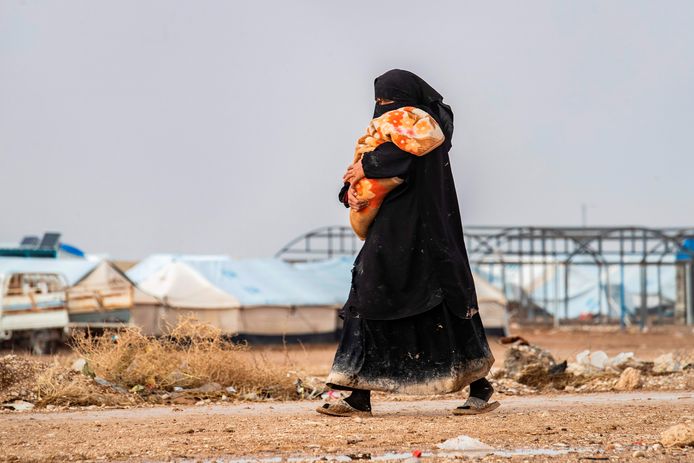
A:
[59, 386]
[194, 354]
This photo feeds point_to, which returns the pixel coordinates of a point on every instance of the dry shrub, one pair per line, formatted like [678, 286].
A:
[59, 386]
[50, 383]
[193, 354]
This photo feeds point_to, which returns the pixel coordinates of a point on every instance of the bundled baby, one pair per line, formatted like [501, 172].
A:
[410, 129]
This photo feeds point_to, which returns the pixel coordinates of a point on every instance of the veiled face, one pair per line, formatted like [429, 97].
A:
[398, 86]
[384, 101]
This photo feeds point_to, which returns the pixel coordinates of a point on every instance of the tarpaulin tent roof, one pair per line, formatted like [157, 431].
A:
[179, 285]
[268, 282]
[335, 275]
[254, 282]
[155, 262]
[72, 269]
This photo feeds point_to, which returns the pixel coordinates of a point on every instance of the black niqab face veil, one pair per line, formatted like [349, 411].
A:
[405, 88]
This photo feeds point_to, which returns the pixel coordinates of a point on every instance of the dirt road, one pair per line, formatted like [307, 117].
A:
[549, 428]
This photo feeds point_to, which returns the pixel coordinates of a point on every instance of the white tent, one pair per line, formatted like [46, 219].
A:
[177, 291]
[102, 297]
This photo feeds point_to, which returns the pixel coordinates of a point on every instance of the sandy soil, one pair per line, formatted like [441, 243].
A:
[587, 426]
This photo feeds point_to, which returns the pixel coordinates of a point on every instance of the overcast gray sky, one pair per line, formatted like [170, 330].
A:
[216, 126]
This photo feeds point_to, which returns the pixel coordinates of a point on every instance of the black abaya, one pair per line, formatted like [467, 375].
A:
[434, 352]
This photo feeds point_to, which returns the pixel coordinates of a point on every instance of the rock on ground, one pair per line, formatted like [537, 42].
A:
[681, 435]
[629, 380]
[666, 363]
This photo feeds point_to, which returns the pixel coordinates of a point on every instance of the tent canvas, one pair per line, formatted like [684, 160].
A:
[256, 298]
[175, 291]
[100, 298]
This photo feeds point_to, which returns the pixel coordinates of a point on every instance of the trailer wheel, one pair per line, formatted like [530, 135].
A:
[44, 342]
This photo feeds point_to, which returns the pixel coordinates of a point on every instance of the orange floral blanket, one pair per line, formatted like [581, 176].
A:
[413, 131]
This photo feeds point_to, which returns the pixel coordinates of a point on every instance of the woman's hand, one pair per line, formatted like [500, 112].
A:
[354, 173]
[354, 202]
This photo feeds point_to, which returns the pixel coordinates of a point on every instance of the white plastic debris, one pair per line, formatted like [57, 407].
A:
[78, 365]
[464, 443]
[621, 359]
[583, 357]
[588, 361]
[19, 405]
[333, 395]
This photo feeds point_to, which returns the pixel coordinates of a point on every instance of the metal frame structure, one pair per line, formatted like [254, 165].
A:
[530, 247]
[650, 249]
[320, 244]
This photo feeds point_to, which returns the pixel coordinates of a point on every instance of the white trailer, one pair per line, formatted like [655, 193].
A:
[33, 309]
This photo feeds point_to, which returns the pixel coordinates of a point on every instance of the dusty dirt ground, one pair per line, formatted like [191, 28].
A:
[574, 427]
[558, 426]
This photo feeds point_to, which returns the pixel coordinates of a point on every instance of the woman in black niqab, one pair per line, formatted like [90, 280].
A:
[411, 322]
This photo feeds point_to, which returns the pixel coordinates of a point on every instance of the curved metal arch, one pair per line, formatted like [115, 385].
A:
[348, 244]
[651, 233]
[549, 232]
[492, 243]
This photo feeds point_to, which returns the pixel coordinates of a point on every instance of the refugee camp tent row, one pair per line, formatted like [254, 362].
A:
[259, 299]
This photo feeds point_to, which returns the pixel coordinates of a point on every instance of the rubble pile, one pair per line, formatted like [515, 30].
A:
[28, 383]
[534, 366]
[17, 377]
[537, 369]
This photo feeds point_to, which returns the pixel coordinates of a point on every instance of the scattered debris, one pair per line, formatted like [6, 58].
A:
[464, 443]
[19, 405]
[311, 387]
[79, 364]
[669, 363]
[533, 366]
[113, 386]
[590, 363]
